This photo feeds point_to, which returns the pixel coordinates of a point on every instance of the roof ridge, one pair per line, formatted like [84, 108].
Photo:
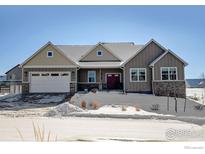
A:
[74, 45]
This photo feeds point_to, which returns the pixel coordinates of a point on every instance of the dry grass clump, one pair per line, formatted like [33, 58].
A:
[94, 90]
[199, 107]
[124, 108]
[137, 108]
[155, 107]
[39, 134]
[95, 104]
[83, 104]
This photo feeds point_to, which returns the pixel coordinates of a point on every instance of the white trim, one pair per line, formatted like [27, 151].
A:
[185, 63]
[88, 76]
[168, 51]
[50, 56]
[168, 80]
[113, 73]
[138, 75]
[168, 73]
[89, 83]
[49, 66]
[100, 66]
[152, 40]
[98, 52]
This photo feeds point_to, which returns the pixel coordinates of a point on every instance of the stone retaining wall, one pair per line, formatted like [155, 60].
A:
[171, 88]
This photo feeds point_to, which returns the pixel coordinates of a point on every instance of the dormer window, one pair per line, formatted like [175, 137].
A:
[50, 54]
[99, 53]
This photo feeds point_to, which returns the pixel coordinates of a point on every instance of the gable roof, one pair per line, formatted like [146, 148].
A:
[122, 50]
[98, 44]
[168, 51]
[141, 49]
[47, 44]
[18, 65]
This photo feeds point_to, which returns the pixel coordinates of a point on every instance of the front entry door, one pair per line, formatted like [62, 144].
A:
[113, 81]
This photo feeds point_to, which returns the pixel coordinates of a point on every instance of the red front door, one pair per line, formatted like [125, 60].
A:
[113, 81]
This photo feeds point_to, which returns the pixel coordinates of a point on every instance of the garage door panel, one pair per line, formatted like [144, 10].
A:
[49, 84]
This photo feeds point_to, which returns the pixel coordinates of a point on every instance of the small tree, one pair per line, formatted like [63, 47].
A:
[203, 86]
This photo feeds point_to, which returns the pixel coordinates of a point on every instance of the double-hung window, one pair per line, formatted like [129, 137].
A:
[137, 74]
[168, 73]
[91, 76]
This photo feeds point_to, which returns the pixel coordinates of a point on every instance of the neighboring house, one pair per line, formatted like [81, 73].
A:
[14, 79]
[2, 78]
[4, 88]
[148, 68]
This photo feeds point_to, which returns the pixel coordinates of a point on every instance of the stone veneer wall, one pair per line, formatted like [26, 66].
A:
[171, 88]
[25, 88]
[73, 88]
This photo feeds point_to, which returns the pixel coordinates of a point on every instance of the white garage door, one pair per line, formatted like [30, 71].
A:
[51, 82]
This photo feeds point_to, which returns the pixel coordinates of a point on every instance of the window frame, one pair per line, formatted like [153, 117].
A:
[48, 55]
[98, 52]
[168, 73]
[138, 76]
[89, 75]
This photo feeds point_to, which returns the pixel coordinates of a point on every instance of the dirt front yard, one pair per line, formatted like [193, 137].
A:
[146, 102]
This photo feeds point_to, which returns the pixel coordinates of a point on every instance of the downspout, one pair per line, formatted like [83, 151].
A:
[100, 84]
[123, 69]
[77, 78]
[153, 80]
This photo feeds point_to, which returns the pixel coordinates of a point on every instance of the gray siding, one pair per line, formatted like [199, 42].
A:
[169, 61]
[16, 72]
[142, 60]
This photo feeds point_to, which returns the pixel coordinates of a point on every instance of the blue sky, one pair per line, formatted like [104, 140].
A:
[24, 29]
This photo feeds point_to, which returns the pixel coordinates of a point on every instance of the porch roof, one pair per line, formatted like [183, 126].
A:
[100, 64]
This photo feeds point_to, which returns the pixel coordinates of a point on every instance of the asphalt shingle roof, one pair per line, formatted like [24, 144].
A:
[121, 50]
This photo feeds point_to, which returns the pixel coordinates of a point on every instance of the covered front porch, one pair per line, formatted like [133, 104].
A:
[100, 78]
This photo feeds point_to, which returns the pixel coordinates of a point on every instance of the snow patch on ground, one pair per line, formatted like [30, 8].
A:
[4, 94]
[145, 102]
[118, 109]
[63, 110]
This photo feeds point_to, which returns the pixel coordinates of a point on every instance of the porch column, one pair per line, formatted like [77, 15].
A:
[100, 83]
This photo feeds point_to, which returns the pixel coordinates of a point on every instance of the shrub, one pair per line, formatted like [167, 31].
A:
[199, 107]
[83, 104]
[39, 134]
[95, 104]
[195, 98]
[94, 90]
[155, 107]
[124, 108]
